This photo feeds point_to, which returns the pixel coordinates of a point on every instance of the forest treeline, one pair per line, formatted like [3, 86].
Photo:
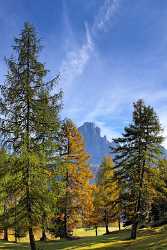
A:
[45, 178]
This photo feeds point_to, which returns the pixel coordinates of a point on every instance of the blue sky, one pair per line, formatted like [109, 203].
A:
[110, 53]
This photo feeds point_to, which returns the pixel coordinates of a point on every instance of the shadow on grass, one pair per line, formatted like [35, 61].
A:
[13, 246]
[86, 242]
[64, 244]
[147, 240]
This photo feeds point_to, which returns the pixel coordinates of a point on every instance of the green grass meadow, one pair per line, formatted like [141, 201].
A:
[148, 239]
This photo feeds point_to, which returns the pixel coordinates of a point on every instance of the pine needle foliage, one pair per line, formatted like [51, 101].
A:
[29, 125]
[136, 155]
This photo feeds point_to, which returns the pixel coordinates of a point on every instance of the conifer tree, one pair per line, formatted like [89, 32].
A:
[4, 194]
[136, 153]
[76, 204]
[29, 125]
[159, 204]
[107, 193]
[95, 219]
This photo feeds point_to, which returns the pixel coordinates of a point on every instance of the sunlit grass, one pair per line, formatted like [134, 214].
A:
[81, 232]
[148, 239]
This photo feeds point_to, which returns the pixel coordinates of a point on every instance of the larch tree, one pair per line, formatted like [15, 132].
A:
[136, 155]
[29, 125]
[4, 193]
[76, 204]
[159, 204]
[95, 217]
[107, 193]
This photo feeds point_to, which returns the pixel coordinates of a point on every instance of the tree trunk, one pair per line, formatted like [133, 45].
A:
[32, 240]
[5, 235]
[15, 235]
[119, 224]
[66, 235]
[106, 222]
[43, 228]
[107, 229]
[43, 238]
[65, 223]
[29, 211]
[96, 230]
[134, 230]
[15, 226]
[28, 184]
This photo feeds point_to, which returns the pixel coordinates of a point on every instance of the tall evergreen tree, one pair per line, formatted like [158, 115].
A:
[136, 154]
[29, 125]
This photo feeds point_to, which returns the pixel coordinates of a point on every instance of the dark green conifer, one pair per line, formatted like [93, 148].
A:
[136, 154]
[29, 126]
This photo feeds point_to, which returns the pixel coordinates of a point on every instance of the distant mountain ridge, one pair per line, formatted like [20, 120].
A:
[98, 146]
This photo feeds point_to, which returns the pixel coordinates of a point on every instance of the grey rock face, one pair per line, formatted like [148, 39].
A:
[96, 145]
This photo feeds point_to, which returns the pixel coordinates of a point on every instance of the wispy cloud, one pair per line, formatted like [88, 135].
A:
[163, 120]
[105, 15]
[110, 107]
[107, 131]
[76, 60]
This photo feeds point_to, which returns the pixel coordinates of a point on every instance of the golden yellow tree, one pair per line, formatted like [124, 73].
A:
[107, 193]
[77, 201]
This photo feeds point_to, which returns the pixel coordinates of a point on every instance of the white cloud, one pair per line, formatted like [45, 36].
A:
[163, 120]
[76, 60]
[117, 106]
[105, 15]
[113, 102]
[106, 130]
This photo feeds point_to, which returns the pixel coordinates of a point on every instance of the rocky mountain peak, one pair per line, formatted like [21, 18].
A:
[96, 145]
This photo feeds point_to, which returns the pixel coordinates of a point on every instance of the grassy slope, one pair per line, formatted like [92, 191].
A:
[155, 239]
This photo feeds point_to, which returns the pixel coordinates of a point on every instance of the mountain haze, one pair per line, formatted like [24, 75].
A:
[96, 145]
